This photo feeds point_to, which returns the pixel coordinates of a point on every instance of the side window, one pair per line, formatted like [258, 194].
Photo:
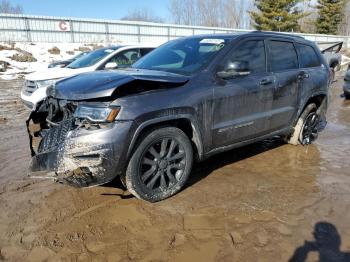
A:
[145, 51]
[307, 56]
[126, 58]
[282, 56]
[252, 52]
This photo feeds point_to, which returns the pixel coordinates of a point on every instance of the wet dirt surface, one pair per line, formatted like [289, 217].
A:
[258, 203]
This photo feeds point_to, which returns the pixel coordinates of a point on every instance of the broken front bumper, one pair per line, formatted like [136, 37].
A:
[79, 156]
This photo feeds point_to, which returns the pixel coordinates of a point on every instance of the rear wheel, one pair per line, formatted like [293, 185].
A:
[306, 129]
[160, 165]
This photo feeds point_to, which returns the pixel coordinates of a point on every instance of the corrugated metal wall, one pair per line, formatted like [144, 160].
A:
[28, 28]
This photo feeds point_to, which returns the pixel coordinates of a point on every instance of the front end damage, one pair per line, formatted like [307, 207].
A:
[71, 150]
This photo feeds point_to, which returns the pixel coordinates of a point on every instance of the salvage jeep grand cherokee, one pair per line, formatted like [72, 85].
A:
[188, 99]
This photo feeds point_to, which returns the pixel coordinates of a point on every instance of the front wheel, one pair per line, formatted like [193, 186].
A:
[160, 165]
[306, 129]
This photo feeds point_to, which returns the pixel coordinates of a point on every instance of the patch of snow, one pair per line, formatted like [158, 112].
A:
[40, 53]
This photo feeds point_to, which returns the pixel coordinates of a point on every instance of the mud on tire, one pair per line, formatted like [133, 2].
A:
[160, 164]
[297, 136]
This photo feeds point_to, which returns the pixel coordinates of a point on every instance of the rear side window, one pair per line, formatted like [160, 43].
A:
[145, 51]
[307, 56]
[282, 56]
[126, 58]
[252, 52]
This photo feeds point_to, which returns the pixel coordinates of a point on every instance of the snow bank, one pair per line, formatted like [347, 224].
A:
[40, 51]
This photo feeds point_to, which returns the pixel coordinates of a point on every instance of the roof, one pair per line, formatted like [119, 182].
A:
[253, 33]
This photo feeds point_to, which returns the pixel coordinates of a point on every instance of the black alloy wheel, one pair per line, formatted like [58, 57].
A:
[163, 164]
[160, 164]
[310, 129]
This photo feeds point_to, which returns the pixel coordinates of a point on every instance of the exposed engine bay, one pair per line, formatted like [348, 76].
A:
[52, 128]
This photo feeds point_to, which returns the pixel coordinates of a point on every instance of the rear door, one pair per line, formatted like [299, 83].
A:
[313, 75]
[242, 104]
[283, 63]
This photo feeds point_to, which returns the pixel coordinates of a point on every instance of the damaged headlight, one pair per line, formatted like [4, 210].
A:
[97, 114]
[45, 83]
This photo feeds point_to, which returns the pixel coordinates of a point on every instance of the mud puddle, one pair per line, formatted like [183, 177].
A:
[264, 202]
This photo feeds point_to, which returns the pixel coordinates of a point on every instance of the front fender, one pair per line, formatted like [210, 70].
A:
[140, 124]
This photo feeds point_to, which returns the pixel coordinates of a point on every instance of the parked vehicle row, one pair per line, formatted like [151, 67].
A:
[182, 102]
[64, 63]
[108, 58]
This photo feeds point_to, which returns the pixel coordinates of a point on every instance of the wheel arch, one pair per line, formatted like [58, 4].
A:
[184, 122]
[320, 99]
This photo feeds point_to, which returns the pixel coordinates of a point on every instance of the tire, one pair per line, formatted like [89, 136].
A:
[160, 165]
[347, 96]
[304, 126]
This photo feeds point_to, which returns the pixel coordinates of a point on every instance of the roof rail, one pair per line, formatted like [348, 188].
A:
[291, 34]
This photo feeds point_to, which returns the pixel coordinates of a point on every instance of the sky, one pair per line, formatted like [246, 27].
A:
[100, 9]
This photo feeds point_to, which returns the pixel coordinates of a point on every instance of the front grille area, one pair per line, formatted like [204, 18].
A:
[29, 87]
[55, 136]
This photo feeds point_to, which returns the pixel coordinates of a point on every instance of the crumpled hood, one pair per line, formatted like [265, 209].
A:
[55, 73]
[102, 84]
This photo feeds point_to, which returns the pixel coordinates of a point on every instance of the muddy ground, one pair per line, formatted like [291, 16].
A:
[258, 203]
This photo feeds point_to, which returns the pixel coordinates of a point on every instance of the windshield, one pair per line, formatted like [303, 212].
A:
[91, 58]
[183, 56]
[79, 55]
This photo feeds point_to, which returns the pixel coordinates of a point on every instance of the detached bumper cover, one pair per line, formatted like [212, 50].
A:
[81, 157]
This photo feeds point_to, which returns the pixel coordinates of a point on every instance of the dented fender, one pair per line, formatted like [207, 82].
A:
[163, 117]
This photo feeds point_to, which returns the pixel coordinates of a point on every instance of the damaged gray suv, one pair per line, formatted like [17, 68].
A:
[183, 102]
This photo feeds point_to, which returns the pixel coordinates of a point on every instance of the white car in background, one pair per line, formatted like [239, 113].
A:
[35, 85]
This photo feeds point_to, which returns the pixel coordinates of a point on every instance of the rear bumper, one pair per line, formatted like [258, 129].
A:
[83, 157]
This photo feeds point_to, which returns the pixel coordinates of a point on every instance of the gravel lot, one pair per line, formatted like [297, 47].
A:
[264, 202]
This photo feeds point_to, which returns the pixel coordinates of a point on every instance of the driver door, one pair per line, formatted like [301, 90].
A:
[124, 59]
[242, 104]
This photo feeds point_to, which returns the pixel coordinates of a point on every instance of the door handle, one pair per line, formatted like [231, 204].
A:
[265, 82]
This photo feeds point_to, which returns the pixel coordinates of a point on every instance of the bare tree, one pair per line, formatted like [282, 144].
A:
[217, 13]
[184, 11]
[209, 12]
[142, 15]
[345, 25]
[234, 13]
[7, 8]
[308, 22]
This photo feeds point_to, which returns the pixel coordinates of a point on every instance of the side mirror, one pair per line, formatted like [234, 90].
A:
[233, 69]
[111, 65]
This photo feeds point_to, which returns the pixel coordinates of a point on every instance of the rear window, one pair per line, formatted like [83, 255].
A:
[282, 56]
[307, 56]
